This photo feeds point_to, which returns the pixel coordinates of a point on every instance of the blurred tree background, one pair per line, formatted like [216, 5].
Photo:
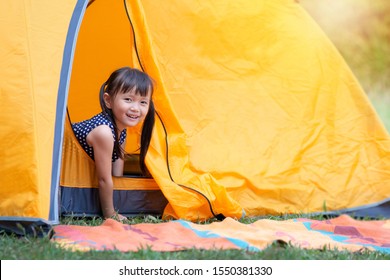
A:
[360, 29]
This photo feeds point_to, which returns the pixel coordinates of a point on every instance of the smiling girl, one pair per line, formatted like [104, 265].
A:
[126, 101]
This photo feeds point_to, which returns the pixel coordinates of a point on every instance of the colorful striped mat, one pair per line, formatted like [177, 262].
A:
[342, 233]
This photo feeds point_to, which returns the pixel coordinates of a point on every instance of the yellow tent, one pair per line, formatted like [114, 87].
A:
[257, 113]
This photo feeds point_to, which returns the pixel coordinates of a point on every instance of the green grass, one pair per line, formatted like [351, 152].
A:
[31, 248]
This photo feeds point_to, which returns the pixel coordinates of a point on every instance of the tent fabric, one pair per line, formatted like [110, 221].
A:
[273, 120]
[257, 112]
[31, 54]
[248, 126]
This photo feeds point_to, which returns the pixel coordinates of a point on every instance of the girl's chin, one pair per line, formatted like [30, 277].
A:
[130, 123]
[127, 123]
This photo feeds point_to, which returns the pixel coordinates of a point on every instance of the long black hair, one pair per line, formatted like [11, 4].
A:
[123, 80]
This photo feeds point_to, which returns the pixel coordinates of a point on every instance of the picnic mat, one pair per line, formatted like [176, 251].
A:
[342, 233]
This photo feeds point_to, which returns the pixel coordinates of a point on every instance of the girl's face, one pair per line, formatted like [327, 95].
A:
[129, 108]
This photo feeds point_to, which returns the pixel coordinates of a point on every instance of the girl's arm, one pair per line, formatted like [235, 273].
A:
[118, 165]
[102, 142]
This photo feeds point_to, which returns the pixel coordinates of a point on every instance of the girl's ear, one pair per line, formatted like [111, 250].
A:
[107, 100]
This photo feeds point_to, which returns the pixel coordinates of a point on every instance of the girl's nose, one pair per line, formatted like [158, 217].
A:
[134, 108]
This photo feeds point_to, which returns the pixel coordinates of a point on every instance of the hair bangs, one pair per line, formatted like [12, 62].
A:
[131, 80]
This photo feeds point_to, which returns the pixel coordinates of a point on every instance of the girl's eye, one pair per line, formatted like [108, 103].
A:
[144, 102]
[128, 99]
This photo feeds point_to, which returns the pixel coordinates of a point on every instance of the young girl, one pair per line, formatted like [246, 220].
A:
[126, 101]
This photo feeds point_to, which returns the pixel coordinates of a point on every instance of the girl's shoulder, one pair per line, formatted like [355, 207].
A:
[101, 134]
[95, 121]
[101, 119]
[83, 128]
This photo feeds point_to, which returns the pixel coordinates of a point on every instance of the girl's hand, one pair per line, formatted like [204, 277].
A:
[118, 217]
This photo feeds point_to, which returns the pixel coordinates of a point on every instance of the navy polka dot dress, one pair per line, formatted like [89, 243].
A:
[82, 129]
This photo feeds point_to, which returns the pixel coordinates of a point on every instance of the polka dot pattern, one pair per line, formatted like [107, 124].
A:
[82, 129]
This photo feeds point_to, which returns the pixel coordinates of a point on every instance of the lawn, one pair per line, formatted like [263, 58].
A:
[30, 248]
